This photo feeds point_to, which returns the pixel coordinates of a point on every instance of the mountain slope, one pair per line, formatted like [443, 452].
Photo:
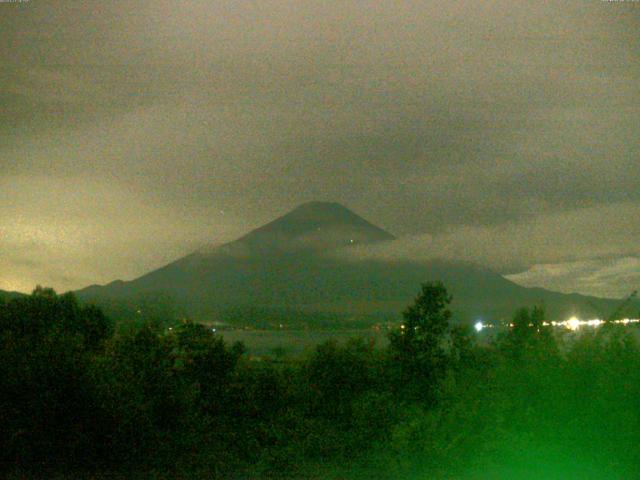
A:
[282, 270]
[310, 227]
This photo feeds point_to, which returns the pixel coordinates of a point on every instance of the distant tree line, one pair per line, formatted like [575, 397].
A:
[82, 398]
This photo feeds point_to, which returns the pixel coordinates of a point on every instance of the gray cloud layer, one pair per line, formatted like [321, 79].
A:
[612, 277]
[132, 132]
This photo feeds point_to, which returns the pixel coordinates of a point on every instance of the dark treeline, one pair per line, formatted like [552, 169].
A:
[82, 399]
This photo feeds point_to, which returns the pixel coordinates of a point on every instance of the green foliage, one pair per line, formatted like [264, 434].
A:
[46, 406]
[338, 373]
[46, 314]
[418, 346]
[529, 336]
[81, 401]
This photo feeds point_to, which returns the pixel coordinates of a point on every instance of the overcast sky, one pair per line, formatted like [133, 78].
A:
[502, 132]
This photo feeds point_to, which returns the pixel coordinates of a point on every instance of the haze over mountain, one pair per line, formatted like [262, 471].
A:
[289, 270]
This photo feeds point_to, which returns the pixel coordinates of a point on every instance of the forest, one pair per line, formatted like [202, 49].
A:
[86, 396]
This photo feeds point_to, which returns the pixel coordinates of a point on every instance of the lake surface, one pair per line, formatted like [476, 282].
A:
[267, 342]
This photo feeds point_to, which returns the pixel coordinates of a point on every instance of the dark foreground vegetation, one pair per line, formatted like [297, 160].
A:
[82, 399]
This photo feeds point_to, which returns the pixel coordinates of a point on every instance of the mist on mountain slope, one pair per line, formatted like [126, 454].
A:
[309, 264]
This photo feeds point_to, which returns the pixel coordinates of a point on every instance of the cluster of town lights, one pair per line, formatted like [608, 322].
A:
[574, 323]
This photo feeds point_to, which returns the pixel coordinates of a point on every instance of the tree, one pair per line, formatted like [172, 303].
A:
[337, 374]
[418, 346]
[529, 336]
[46, 346]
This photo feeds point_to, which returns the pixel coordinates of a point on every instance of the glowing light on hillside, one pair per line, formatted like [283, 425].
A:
[478, 326]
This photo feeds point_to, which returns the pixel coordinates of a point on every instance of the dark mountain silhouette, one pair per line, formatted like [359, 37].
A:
[284, 271]
[311, 227]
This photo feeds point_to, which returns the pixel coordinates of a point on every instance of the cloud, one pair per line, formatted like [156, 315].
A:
[73, 231]
[612, 277]
[437, 121]
[511, 247]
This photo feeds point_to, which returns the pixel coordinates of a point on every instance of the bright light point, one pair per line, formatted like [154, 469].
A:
[573, 323]
[478, 326]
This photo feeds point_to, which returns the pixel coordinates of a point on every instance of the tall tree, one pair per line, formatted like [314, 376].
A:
[418, 346]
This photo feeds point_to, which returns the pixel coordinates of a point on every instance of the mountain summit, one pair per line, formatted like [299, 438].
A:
[310, 226]
[279, 273]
